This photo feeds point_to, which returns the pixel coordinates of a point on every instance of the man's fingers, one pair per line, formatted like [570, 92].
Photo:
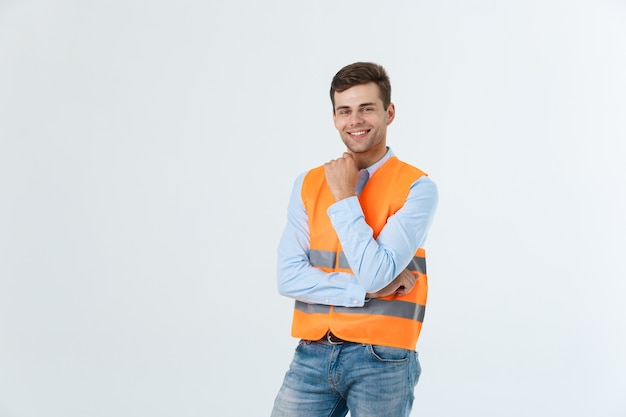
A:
[407, 282]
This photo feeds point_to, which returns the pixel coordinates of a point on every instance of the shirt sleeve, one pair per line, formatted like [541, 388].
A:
[296, 277]
[376, 262]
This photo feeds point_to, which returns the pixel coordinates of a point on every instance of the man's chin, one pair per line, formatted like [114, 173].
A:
[358, 148]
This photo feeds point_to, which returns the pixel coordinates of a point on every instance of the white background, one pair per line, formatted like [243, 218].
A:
[147, 152]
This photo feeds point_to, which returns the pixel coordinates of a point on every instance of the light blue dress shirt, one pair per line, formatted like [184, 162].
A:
[375, 262]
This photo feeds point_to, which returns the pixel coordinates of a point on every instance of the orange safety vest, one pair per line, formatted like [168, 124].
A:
[393, 321]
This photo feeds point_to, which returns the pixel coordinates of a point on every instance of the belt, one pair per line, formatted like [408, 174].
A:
[330, 338]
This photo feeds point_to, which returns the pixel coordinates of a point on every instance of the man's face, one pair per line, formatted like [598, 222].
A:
[361, 119]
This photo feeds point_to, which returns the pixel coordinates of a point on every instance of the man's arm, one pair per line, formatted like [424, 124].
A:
[296, 278]
[377, 262]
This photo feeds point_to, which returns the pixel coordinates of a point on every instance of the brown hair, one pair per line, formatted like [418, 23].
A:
[361, 73]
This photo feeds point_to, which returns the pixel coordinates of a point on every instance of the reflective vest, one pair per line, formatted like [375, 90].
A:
[394, 320]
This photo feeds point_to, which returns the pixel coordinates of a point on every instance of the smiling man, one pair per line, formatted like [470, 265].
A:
[352, 258]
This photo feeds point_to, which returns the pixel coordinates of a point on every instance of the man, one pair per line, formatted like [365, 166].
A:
[351, 256]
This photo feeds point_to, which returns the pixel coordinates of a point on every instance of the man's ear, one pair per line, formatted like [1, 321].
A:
[391, 113]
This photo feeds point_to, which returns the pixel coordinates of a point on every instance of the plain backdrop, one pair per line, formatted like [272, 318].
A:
[147, 153]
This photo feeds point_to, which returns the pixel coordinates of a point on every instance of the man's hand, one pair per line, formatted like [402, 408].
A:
[341, 176]
[401, 285]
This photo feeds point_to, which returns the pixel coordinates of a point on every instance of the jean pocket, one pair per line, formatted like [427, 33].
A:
[389, 354]
[301, 344]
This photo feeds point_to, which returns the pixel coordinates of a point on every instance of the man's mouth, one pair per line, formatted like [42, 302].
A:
[358, 133]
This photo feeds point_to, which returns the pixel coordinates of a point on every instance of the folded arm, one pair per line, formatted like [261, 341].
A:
[374, 262]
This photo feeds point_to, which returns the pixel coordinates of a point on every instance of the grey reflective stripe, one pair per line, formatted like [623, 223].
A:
[322, 258]
[375, 306]
[311, 308]
[393, 308]
[328, 259]
[343, 262]
[417, 264]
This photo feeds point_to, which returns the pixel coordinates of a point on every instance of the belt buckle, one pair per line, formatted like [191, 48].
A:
[329, 337]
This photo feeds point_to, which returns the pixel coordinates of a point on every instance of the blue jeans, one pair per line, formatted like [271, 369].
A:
[326, 380]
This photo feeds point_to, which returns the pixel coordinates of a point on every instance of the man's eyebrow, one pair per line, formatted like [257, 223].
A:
[360, 105]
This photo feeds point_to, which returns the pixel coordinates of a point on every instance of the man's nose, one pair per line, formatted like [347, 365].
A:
[355, 118]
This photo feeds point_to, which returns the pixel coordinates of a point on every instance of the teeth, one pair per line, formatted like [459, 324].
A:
[362, 132]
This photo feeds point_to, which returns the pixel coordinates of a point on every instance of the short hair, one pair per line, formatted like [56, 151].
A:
[361, 73]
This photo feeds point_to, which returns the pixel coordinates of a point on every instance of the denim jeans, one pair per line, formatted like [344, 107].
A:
[326, 380]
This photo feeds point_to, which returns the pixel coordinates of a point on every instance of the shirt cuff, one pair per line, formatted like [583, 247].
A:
[344, 211]
[356, 297]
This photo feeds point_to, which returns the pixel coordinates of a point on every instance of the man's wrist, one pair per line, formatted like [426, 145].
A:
[343, 196]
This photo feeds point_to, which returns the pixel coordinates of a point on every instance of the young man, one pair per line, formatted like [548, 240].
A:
[351, 256]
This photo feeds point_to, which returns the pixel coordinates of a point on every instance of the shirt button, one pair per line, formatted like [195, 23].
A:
[327, 301]
[355, 301]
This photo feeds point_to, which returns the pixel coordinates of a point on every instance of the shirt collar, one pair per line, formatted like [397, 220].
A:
[374, 167]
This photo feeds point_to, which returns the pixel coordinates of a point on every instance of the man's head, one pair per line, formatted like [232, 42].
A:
[361, 73]
[362, 110]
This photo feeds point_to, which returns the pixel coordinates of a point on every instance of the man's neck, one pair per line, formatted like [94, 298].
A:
[366, 159]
